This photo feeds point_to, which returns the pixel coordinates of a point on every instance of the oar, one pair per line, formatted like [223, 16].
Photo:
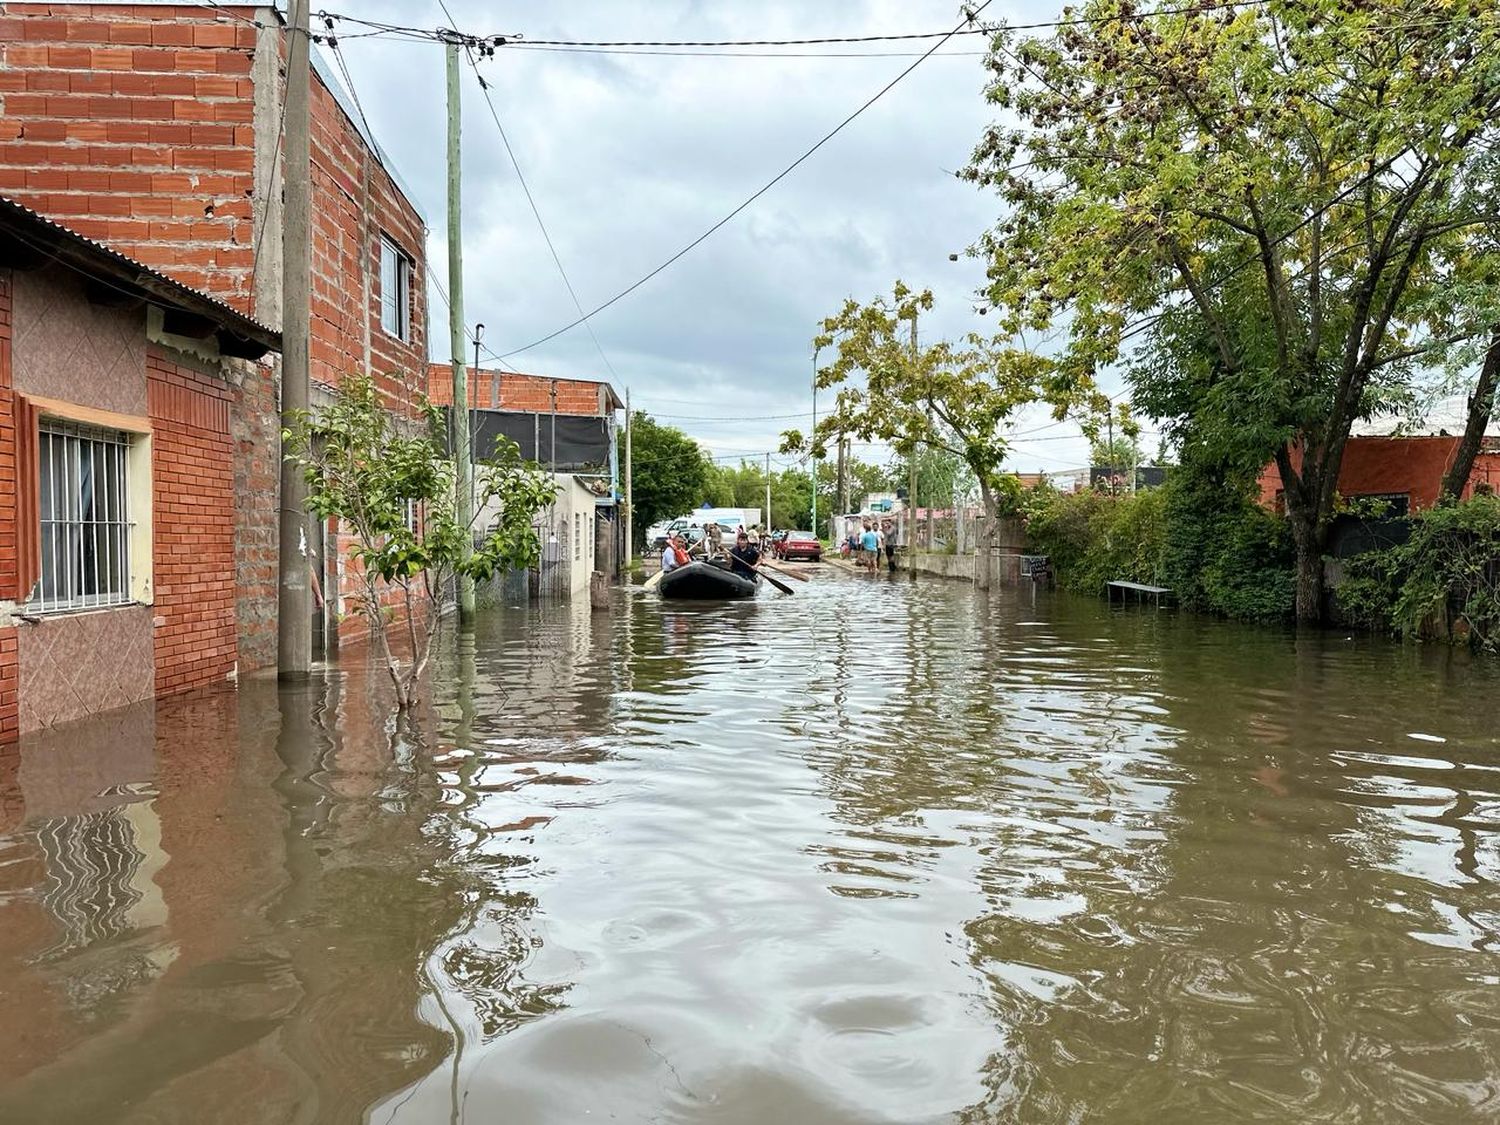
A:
[654, 581]
[778, 583]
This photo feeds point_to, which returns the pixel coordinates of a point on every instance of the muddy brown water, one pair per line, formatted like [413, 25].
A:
[878, 852]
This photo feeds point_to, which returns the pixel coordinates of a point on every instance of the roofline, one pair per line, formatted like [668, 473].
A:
[25, 233]
[615, 402]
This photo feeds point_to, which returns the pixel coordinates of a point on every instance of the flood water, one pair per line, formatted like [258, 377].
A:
[879, 852]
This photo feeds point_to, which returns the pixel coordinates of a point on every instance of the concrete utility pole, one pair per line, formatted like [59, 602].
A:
[840, 493]
[766, 522]
[629, 488]
[911, 463]
[815, 531]
[293, 603]
[1110, 463]
[463, 483]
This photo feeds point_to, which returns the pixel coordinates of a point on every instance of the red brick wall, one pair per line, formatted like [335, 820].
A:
[517, 392]
[193, 525]
[354, 202]
[10, 727]
[132, 125]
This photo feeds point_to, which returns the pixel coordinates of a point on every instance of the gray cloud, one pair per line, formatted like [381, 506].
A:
[631, 157]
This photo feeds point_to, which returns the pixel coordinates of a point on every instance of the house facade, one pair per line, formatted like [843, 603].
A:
[155, 128]
[1387, 461]
[131, 564]
[569, 426]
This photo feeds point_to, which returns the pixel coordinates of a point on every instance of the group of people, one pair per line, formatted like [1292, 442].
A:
[875, 539]
[744, 556]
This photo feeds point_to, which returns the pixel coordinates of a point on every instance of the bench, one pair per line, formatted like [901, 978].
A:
[1141, 591]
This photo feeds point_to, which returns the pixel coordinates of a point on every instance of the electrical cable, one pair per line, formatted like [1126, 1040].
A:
[969, 18]
[1039, 25]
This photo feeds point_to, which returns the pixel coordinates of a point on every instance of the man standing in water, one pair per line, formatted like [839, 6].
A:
[888, 534]
[744, 556]
[869, 542]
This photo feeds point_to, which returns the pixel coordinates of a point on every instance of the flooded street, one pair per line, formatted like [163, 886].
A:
[879, 852]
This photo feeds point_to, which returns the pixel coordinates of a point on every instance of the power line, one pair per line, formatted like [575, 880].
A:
[484, 88]
[757, 194]
[380, 27]
[692, 54]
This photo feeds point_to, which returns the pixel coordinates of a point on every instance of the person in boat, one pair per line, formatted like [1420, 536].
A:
[744, 556]
[674, 554]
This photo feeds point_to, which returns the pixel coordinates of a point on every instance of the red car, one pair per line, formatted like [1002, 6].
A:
[800, 545]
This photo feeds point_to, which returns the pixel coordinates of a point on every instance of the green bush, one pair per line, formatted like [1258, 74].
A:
[1201, 536]
[1092, 538]
[1225, 553]
[1443, 582]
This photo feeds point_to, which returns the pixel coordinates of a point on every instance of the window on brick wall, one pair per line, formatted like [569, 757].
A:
[84, 511]
[395, 290]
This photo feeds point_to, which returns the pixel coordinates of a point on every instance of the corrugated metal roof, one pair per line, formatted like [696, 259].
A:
[1446, 416]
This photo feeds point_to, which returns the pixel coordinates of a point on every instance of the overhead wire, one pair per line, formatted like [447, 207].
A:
[767, 186]
[484, 88]
[382, 27]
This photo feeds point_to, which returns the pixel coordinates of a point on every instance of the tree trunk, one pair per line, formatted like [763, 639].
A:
[1310, 546]
[1481, 406]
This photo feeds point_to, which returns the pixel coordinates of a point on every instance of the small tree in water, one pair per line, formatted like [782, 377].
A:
[388, 480]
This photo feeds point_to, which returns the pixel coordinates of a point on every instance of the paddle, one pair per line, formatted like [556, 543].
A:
[778, 583]
[654, 581]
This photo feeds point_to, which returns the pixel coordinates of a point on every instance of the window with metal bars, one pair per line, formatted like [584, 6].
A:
[83, 504]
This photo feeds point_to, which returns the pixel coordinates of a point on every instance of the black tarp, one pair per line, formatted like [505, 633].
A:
[570, 442]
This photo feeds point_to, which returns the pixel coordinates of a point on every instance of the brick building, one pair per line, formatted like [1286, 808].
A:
[130, 565]
[568, 425]
[1390, 462]
[155, 128]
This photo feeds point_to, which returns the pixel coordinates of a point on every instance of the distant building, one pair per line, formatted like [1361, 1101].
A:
[568, 426]
[136, 426]
[1388, 460]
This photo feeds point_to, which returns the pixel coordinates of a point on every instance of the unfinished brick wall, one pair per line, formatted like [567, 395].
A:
[532, 393]
[132, 125]
[193, 525]
[10, 724]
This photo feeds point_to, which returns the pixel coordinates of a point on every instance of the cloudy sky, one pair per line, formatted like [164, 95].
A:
[631, 156]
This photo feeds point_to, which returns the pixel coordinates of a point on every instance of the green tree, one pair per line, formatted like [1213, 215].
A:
[941, 475]
[670, 471]
[1296, 198]
[391, 486]
[951, 398]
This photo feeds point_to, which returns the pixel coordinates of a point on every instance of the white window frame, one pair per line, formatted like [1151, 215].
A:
[396, 268]
[82, 546]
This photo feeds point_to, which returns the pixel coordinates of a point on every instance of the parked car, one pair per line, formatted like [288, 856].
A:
[800, 545]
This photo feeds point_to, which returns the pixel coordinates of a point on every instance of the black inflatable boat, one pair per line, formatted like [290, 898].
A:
[703, 581]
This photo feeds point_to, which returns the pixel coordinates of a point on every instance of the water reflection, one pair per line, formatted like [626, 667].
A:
[881, 852]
